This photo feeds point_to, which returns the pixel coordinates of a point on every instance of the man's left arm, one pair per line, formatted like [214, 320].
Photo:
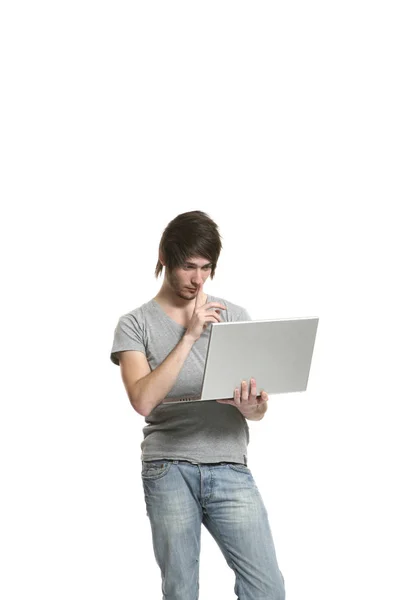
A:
[258, 413]
[246, 401]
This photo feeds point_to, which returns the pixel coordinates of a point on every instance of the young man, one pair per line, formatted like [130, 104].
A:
[194, 455]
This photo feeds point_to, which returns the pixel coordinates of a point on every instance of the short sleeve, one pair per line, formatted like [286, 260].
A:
[128, 335]
[244, 315]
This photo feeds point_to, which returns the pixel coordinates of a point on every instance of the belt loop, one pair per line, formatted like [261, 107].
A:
[245, 459]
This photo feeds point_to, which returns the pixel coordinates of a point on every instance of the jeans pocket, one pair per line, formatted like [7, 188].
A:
[239, 467]
[155, 469]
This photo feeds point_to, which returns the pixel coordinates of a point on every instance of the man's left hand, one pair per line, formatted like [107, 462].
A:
[246, 400]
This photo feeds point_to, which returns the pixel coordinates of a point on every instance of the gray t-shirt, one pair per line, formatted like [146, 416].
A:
[200, 432]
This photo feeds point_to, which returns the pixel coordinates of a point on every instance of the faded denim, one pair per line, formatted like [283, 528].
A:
[179, 497]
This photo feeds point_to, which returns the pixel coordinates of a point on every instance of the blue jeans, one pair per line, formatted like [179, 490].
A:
[179, 497]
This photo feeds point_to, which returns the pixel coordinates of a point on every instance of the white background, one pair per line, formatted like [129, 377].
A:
[281, 121]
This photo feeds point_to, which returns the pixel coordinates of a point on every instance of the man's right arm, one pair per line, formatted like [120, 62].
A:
[147, 389]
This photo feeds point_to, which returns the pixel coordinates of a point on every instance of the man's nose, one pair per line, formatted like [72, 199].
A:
[197, 279]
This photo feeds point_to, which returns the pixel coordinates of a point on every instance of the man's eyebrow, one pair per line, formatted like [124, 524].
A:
[194, 264]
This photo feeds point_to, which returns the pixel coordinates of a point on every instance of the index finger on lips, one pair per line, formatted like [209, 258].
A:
[196, 304]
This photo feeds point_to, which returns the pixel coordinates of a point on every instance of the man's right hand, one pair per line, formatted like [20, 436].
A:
[202, 316]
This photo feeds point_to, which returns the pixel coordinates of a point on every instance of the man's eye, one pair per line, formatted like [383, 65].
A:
[186, 267]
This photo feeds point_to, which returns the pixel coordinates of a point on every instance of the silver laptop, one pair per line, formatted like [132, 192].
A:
[276, 353]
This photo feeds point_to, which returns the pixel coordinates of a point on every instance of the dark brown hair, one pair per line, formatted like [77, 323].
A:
[190, 234]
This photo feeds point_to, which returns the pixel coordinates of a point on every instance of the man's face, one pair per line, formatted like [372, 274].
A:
[185, 280]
